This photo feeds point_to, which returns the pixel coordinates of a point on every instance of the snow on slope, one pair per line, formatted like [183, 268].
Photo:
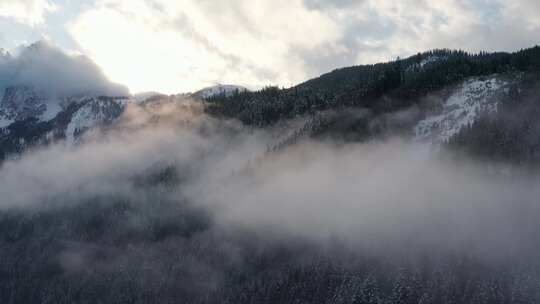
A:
[473, 97]
[431, 59]
[426, 62]
[4, 121]
[94, 112]
[219, 90]
[52, 109]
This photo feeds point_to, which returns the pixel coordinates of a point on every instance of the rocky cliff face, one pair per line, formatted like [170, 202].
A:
[20, 103]
[28, 118]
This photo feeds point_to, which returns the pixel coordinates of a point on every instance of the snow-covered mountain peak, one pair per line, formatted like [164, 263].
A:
[69, 116]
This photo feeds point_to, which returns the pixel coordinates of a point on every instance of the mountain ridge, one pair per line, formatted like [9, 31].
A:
[380, 89]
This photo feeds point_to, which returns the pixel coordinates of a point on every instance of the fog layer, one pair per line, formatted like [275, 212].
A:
[52, 72]
[381, 198]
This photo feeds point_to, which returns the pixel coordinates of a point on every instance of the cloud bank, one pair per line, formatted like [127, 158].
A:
[193, 44]
[30, 12]
[388, 198]
[53, 72]
[182, 46]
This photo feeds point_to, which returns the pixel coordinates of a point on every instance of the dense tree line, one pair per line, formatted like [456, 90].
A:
[403, 80]
[389, 87]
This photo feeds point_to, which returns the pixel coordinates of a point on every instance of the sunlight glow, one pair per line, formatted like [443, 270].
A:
[144, 58]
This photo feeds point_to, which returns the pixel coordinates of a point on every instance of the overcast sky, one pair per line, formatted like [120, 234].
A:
[176, 46]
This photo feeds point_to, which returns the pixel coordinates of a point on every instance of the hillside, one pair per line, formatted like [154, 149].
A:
[444, 92]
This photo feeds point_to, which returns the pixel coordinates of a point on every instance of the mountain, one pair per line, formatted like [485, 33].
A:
[443, 93]
[381, 87]
[28, 118]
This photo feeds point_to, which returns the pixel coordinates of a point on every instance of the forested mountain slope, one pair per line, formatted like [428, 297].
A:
[441, 91]
[381, 87]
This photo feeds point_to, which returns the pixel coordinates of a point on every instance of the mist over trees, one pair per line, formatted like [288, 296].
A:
[298, 195]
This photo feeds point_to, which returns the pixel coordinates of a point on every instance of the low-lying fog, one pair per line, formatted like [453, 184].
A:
[382, 198]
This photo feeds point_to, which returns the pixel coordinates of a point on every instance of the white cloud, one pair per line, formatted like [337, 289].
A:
[469, 25]
[375, 197]
[174, 46]
[53, 72]
[30, 12]
[183, 45]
